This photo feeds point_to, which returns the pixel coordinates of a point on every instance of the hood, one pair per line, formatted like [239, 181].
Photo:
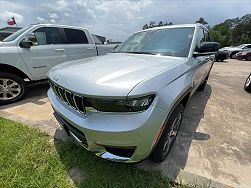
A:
[110, 75]
[230, 49]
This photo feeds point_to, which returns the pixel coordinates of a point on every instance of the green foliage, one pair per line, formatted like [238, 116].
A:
[233, 31]
[153, 24]
[202, 21]
[29, 158]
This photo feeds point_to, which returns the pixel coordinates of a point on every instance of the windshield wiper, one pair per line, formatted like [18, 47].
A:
[151, 53]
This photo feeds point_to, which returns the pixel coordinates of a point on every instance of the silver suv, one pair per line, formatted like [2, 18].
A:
[128, 105]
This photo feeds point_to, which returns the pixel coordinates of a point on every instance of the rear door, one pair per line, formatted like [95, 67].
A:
[49, 52]
[78, 44]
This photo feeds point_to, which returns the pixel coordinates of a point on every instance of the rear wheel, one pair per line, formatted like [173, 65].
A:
[220, 58]
[12, 88]
[233, 55]
[168, 136]
[248, 58]
[203, 85]
[247, 85]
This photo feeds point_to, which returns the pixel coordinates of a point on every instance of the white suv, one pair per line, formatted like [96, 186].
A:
[31, 52]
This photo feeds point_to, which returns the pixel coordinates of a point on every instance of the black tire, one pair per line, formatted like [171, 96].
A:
[166, 140]
[220, 58]
[203, 85]
[247, 85]
[248, 58]
[19, 89]
[232, 55]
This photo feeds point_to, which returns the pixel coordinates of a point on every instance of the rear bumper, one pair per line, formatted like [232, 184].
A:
[128, 132]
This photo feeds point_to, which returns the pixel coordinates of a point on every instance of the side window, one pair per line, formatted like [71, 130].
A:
[248, 46]
[200, 37]
[48, 35]
[75, 36]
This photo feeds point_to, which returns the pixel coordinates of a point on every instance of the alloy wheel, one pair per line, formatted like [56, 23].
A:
[248, 81]
[9, 89]
[172, 134]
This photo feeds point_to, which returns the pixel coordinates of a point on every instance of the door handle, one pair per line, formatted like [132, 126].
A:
[207, 58]
[59, 50]
[89, 48]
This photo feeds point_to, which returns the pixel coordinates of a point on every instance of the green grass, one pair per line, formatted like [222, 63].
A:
[28, 159]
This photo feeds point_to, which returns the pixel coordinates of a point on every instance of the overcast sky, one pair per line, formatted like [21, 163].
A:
[117, 19]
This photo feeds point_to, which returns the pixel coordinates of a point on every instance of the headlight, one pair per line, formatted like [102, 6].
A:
[120, 105]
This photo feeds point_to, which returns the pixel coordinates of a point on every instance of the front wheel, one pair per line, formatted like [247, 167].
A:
[168, 136]
[203, 85]
[12, 88]
[233, 55]
[247, 85]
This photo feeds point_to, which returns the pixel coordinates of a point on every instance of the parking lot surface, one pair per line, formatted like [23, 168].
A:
[215, 136]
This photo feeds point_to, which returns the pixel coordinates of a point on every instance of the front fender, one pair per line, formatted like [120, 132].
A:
[10, 56]
[167, 94]
[171, 95]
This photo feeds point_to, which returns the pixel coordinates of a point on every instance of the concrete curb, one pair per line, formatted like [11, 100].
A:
[188, 178]
[180, 176]
[48, 126]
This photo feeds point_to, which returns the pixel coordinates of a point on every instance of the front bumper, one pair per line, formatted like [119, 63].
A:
[241, 56]
[114, 130]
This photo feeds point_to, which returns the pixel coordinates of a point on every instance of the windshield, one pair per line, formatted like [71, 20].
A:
[16, 34]
[241, 46]
[167, 42]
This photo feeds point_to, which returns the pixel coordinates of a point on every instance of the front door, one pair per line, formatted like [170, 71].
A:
[202, 63]
[49, 52]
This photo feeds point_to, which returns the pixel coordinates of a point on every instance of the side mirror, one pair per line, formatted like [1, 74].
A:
[25, 44]
[116, 46]
[28, 41]
[207, 48]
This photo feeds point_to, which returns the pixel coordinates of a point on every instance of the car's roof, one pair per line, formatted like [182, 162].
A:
[172, 26]
[57, 25]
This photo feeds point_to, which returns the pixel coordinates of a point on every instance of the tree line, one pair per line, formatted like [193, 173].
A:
[153, 24]
[231, 32]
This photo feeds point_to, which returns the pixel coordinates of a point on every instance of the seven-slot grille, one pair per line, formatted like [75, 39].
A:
[74, 101]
